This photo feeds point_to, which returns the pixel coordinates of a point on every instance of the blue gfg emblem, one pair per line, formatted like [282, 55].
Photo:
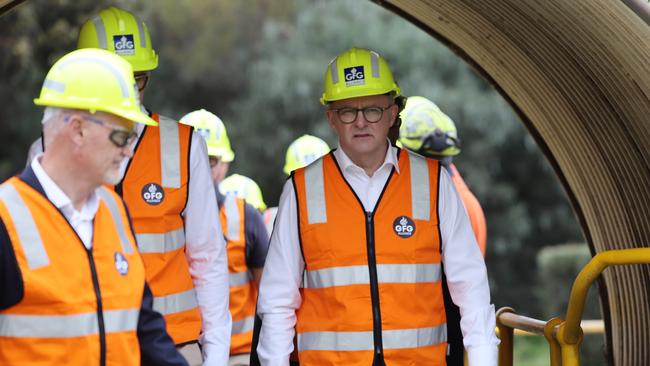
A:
[354, 76]
[124, 45]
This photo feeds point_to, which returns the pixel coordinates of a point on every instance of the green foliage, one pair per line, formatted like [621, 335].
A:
[531, 351]
[558, 267]
[259, 64]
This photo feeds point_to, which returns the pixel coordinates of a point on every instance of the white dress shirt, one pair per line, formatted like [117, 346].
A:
[206, 255]
[81, 221]
[279, 296]
[205, 247]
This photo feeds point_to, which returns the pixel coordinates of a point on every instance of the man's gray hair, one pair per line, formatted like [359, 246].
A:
[53, 122]
[50, 113]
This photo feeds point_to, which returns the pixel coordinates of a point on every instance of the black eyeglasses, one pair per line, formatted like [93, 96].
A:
[119, 137]
[372, 114]
[141, 80]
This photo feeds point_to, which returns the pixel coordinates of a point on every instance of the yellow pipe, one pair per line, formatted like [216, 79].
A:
[554, 346]
[570, 332]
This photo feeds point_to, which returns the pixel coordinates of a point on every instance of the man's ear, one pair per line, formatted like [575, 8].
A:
[330, 117]
[394, 111]
[75, 128]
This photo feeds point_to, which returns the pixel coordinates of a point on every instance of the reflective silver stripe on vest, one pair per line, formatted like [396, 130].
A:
[121, 320]
[143, 38]
[315, 193]
[170, 153]
[420, 199]
[101, 32]
[232, 217]
[161, 243]
[358, 275]
[117, 218]
[334, 71]
[243, 326]
[363, 341]
[374, 64]
[30, 238]
[57, 86]
[239, 278]
[175, 303]
[67, 326]
[108, 66]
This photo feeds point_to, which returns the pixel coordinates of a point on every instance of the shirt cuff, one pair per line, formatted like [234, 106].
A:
[484, 355]
[214, 354]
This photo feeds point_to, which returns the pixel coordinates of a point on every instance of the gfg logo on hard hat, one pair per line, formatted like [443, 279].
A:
[124, 45]
[354, 76]
[404, 227]
[152, 193]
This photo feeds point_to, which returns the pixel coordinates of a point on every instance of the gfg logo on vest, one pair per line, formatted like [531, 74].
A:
[354, 76]
[124, 45]
[404, 227]
[153, 194]
[121, 264]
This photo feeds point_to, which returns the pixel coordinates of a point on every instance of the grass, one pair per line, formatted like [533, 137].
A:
[534, 351]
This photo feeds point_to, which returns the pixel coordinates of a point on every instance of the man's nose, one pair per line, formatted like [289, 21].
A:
[360, 119]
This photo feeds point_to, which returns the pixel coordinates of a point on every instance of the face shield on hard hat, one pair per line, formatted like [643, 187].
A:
[427, 130]
[93, 80]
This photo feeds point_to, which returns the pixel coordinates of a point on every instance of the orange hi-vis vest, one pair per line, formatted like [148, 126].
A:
[80, 306]
[243, 293]
[473, 207]
[372, 291]
[155, 187]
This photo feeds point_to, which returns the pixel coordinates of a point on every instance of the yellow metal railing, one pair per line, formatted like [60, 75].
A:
[564, 336]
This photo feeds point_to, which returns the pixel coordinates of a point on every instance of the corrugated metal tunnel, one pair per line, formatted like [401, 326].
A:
[578, 73]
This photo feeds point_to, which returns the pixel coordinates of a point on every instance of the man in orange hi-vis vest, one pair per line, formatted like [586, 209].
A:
[245, 235]
[168, 189]
[428, 131]
[355, 263]
[72, 289]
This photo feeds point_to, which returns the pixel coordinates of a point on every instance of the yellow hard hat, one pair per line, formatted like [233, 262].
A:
[428, 130]
[93, 80]
[122, 33]
[358, 72]
[243, 187]
[303, 151]
[212, 129]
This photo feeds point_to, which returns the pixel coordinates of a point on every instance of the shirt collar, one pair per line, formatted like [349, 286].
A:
[345, 163]
[58, 198]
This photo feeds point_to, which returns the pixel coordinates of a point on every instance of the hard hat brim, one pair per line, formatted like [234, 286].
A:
[135, 116]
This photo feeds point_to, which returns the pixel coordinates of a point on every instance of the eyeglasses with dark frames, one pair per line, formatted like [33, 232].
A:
[119, 137]
[372, 114]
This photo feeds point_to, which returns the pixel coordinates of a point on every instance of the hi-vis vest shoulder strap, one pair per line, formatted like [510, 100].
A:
[170, 162]
[379, 272]
[155, 187]
[243, 292]
[58, 321]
